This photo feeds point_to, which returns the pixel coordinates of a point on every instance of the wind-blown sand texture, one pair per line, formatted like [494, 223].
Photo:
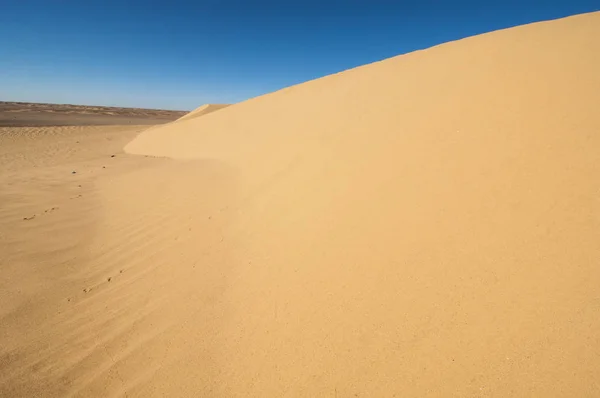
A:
[425, 226]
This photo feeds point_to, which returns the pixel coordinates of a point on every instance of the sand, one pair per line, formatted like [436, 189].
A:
[203, 110]
[28, 114]
[425, 226]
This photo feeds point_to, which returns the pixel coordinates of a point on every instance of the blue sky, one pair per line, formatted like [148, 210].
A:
[181, 54]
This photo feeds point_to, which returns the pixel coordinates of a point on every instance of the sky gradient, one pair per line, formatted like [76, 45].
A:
[181, 54]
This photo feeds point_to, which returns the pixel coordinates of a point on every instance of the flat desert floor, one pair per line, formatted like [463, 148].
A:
[32, 114]
[425, 226]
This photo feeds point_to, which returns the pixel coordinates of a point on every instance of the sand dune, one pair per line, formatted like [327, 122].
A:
[425, 226]
[203, 110]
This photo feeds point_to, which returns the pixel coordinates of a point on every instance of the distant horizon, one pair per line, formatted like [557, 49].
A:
[97, 105]
[153, 56]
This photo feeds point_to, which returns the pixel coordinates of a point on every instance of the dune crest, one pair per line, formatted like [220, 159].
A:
[202, 110]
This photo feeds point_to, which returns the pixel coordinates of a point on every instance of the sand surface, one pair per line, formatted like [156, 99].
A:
[203, 110]
[28, 114]
[425, 226]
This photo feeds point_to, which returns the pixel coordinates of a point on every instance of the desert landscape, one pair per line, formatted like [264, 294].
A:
[423, 226]
[35, 115]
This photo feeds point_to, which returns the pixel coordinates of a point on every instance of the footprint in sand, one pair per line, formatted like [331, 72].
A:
[45, 212]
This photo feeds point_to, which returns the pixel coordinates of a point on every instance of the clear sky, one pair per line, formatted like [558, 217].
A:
[181, 54]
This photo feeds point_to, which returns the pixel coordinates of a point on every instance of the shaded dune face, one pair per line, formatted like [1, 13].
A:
[202, 110]
[423, 226]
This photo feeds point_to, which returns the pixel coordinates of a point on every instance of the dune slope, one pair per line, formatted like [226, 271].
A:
[203, 110]
[423, 226]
